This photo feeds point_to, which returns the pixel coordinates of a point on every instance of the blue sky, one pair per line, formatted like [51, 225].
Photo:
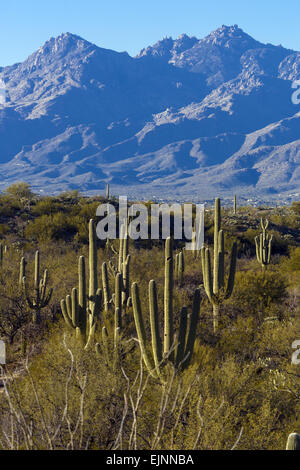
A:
[130, 25]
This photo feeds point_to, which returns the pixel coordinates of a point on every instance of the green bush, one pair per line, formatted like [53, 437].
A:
[51, 227]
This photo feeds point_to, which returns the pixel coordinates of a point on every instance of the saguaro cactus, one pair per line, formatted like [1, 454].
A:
[166, 349]
[41, 297]
[264, 245]
[179, 267]
[293, 442]
[234, 205]
[22, 271]
[214, 283]
[168, 297]
[79, 311]
[123, 263]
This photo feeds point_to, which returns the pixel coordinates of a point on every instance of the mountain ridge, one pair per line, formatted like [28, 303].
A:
[193, 117]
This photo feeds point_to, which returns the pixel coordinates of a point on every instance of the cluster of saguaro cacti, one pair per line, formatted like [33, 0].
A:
[41, 296]
[264, 245]
[196, 240]
[179, 267]
[293, 442]
[177, 350]
[214, 283]
[81, 309]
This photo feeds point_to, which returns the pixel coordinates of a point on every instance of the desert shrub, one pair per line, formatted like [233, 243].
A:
[70, 196]
[8, 206]
[47, 206]
[50, 227]
[20, 190]
[256, 290]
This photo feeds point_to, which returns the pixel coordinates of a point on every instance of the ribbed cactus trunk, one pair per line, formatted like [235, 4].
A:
[118, 300]
[1, 254]
[154, 322]
[40, 298]
[217, 263]
[214, 284]
[82, 304]
[217, 228]
[37, 311]
[105, 286]
[93, 266]
[168, 299]
[140, 328]
[264, 245]
[235, 205]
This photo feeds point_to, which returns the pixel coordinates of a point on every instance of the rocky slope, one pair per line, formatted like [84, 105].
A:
[186, 118]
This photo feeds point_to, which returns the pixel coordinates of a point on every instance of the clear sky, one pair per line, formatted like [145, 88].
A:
[130, 25]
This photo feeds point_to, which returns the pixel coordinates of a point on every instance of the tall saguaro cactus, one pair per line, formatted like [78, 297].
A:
[41, 297]
[168, 297]
[264, 245]
[235, 205]
[75, 310]
[79, 310]
[181, 353]
[214, 282]
[123, 263]
[179, 267]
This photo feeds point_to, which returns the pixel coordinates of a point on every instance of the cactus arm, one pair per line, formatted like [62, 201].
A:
[92, 327]
[140, 328]
[75, 308]
[65, 313]
[154, 323]
[221, 259]
[69, 306]
[126, 278]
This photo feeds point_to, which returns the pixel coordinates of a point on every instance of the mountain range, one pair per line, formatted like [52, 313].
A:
[186, 118]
